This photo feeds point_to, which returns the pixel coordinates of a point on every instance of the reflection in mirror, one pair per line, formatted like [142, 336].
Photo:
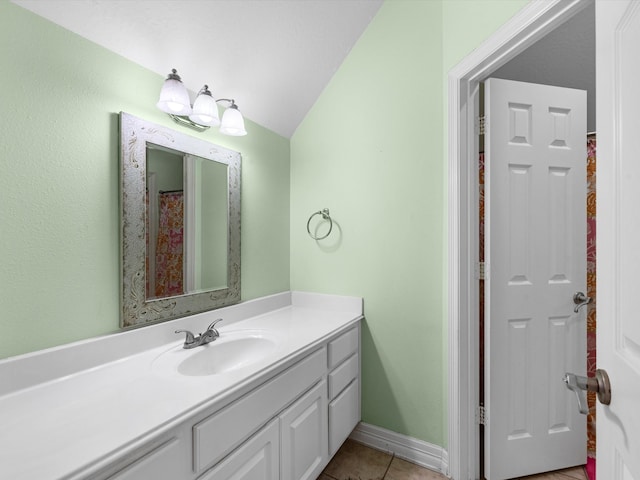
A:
[180, 223]
[186, 223]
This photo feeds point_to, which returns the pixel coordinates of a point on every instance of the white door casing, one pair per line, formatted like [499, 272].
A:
[535, 247]
[618, 236]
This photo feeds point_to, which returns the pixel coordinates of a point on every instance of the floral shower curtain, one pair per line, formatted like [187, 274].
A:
[169, 248]
[591, 292]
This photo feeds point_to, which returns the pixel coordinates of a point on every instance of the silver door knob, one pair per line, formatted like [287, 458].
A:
[580, 300]
[579, 385]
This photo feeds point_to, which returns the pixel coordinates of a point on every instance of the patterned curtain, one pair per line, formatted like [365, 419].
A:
[591, 292]
[169, 250]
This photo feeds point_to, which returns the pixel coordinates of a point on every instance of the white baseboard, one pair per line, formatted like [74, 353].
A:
[408, 448]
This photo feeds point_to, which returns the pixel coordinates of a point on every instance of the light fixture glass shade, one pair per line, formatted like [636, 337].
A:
[174, 98]
[205, 109]
[232, 122]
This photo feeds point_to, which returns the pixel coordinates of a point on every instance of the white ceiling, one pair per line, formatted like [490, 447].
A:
[566, 57]
[274, 57]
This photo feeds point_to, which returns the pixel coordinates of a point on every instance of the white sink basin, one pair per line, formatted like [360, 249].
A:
[229, 352]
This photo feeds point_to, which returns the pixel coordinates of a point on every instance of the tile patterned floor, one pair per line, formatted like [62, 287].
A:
[355, 461]
[567, 474]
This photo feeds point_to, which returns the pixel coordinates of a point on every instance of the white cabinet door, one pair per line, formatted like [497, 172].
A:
[304, 436]
[536, 250]
[256, 459]
[618, 240]
[344, 415]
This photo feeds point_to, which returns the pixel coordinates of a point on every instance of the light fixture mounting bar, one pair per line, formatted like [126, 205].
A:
[188, 123]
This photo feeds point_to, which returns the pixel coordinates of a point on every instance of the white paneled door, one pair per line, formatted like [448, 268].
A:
[535, 241]
[618, 236]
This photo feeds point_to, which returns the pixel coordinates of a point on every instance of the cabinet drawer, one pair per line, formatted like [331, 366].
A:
[342, 376]
[258, 457]
[342, 347]
[344, 415]
[220, 433]
[165, 461]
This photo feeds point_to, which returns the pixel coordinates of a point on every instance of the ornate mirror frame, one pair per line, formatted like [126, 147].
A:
[137, 310]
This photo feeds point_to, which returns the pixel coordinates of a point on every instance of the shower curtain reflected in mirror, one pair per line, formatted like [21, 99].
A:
[165, 240]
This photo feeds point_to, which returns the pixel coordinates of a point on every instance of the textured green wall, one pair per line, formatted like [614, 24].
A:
[373, 151]
[168, 169]
[59, 213]
[370, 150]
[467, 23]
[211, 212]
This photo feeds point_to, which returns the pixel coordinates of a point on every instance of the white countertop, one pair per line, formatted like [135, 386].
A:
[68, 424]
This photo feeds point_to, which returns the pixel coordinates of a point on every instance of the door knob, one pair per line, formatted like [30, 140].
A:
[599, 384]
[580, 299]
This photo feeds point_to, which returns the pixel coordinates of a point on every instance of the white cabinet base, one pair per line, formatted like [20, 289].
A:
[304, 436]
[257, 459]
[287, 428]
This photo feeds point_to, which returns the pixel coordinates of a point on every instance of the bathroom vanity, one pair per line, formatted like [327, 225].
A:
[273, 397]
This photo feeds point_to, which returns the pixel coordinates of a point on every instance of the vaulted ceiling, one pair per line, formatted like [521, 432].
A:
[274, 57]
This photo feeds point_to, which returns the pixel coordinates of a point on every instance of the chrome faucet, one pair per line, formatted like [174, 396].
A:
[208, 336]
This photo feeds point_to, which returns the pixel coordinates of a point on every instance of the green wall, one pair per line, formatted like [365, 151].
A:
[212, 237]
[373, 151]
[168, 169]
[59, 214]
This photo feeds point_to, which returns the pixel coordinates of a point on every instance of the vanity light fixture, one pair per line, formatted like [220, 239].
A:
[174, 100]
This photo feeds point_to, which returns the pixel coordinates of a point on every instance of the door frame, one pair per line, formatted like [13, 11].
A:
[530, 24]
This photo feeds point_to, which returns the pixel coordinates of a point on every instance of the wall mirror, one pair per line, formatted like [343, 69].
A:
[180, 223]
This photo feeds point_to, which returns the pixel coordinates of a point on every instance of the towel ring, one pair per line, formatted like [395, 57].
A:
[325, 215]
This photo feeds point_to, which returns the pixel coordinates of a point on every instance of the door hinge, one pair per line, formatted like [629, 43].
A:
[481, 271]
[481, 415]
[480, 124]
